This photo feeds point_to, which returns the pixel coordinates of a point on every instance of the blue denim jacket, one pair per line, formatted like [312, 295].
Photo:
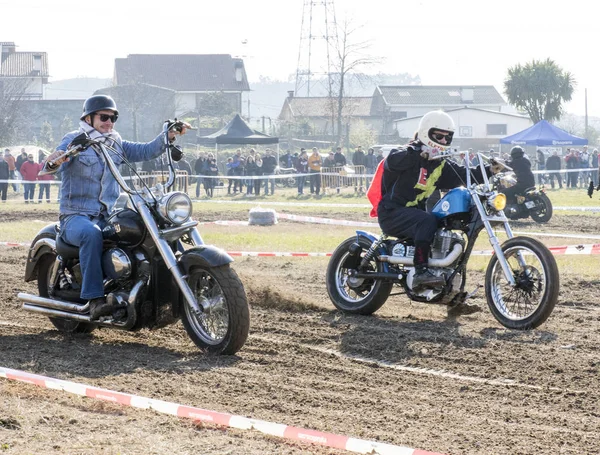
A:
[88, 187]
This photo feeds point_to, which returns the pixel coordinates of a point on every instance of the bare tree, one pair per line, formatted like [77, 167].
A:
[350, 56]
[12, 94]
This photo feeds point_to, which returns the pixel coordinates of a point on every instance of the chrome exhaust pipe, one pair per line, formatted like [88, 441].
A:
[444, 262]
[56, 313]
[53, 304]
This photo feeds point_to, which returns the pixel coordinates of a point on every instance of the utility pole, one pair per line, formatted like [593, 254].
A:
[263, 123]
[320, 28]
[248, 109]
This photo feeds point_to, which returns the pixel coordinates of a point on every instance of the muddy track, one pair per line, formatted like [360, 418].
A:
[408, 375]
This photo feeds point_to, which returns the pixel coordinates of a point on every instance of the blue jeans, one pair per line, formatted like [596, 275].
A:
[44, 187]
[301, 181]
[267, 183]
[29, 192]
[86, 233]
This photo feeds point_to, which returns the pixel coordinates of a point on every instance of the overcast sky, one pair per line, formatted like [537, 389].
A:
[444, 42]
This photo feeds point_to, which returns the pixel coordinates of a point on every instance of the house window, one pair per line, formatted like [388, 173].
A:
[496, 129]
[465, 131]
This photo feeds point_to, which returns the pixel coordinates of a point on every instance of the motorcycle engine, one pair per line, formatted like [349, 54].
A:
[116, 264]
[443, 241]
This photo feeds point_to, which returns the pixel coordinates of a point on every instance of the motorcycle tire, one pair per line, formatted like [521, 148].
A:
[63, 325]
[222, 329]
[543, 211]
[363, 296]
[532, 300]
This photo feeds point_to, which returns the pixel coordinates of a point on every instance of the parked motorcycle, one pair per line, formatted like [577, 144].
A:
[533, 202]
[521, 280]
[156, 266]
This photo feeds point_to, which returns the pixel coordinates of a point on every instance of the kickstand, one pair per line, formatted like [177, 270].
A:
[473, 292]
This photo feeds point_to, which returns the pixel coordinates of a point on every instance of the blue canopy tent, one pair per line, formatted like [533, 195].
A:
[543, 134]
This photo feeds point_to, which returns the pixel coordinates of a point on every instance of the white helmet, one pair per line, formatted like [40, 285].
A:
[434, 126]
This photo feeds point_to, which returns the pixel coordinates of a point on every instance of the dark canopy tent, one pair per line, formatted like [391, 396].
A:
[543, 134]
[237, 131]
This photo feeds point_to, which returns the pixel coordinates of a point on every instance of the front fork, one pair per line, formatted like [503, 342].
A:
[170, 260]
[508, 273]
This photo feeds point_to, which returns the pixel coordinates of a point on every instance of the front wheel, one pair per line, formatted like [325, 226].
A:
[355, 295]
[223, 326]
[531, 301]
[543, 209]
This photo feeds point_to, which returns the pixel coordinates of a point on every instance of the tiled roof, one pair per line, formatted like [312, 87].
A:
[18, 64]
[181, 72]
[321, 106]
[439, 95]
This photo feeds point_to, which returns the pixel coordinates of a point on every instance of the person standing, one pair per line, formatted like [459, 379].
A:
[314, 168]
[29, 170]
[4, 173]
[302, 168]
[541, 165]
[358, 161]
[210, 171]
[22, 158]
[199, 167]
[340, 161]
[269, 165]
[12, 167]
[44, 184]
[572, 161]
[370, 164]
[553, 166]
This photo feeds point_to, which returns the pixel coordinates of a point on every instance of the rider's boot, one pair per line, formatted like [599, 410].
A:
[99, 307]
[424, 278]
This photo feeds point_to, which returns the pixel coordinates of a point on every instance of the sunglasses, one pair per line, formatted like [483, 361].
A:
[437, 137]
[105, 117]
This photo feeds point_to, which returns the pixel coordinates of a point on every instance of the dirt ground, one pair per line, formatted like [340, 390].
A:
[408, 375]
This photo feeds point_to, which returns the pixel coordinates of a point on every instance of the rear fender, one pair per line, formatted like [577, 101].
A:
[352, 262]
[44, 243]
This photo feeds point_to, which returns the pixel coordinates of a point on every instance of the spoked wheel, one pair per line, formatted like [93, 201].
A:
[355, 295]
[222, 328]
[63, 325]
[531, 301]
[543, 210]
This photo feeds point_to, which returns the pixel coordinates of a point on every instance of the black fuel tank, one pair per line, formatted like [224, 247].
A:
[126, 227]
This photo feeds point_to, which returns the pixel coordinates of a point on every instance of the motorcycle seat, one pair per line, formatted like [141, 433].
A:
[66, 250]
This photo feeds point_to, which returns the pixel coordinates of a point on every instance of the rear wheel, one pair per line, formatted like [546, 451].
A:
[355, 295]
[223, 326]
[63, 325]
[543, 211]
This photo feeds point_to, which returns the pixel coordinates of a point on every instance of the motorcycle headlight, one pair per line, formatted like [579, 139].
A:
[497, 201]
[175, 207]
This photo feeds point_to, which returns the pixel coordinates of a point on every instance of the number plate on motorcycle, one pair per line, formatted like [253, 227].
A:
[530, 204]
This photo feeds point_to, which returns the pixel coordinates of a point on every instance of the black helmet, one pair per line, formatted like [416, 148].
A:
[98, 103]
[517, 152]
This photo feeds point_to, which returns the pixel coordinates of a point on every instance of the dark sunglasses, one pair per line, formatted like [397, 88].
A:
[437, 137]
[105, 117]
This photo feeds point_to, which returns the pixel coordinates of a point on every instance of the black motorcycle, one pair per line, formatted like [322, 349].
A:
[156, 267]
[532, 203]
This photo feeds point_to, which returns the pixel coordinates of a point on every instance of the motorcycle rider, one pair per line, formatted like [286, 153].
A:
[89, 191]
[410, 175]
[522, 168]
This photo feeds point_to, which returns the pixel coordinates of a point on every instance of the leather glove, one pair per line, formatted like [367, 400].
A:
[496, 166]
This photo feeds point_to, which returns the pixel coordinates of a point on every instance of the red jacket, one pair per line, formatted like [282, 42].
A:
[44, 177]
[29, 170]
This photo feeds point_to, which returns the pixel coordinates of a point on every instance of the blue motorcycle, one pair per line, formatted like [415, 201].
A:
[521, 282]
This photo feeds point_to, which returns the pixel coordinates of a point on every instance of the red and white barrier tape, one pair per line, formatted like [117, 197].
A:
[592, 248]
[217, 418]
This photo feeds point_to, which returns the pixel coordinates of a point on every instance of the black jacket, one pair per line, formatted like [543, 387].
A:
[553, 163]
[408, 179]
[3, 170]
[269, 164]
[522, 169]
